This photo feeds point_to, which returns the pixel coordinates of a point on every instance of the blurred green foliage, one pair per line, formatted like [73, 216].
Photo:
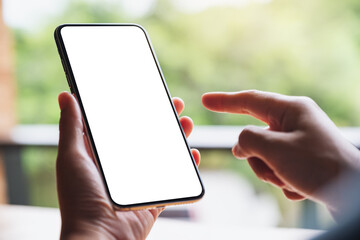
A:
[39, 165]
[292, 47]
[295, 47]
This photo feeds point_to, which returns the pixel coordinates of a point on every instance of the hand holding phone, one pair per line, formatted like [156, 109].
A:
[86, 210]
[130, 121]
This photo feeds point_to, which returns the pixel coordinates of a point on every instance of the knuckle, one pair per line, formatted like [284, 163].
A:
[253, 91]
[304, 103]
[307, 100]
[71, 155]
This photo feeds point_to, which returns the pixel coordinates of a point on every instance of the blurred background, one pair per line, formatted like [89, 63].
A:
[291, 47]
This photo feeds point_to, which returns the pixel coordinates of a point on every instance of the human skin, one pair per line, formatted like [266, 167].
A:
[301, 151]
[86, 210]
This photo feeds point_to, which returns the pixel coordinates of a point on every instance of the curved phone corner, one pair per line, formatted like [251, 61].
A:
[58, 29]
[201, 195]
[140, 27]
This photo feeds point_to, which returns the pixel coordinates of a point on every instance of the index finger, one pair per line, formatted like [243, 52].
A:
[265, 106]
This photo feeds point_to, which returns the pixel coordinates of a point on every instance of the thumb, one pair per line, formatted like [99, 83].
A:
[70, 125]
[77, 175]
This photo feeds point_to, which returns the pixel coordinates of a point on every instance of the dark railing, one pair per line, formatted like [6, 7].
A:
[203, 137]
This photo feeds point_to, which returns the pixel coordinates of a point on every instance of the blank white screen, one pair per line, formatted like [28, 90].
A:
[137, 137]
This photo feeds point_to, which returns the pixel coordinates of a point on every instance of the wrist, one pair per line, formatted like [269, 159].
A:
[341, 195]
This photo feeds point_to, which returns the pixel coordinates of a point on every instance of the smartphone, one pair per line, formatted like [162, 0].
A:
[132, 125]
